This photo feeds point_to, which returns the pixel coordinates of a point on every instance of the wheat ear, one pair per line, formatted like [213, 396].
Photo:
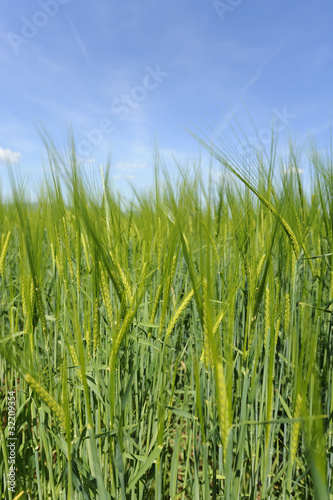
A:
[177, 314]
[4, 252]
[46, 397]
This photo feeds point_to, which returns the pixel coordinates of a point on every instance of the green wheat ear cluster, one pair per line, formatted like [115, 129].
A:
[112, 356]
[4, 252]
[46, 397]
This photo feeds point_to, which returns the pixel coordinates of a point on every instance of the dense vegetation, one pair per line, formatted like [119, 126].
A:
[178, 346]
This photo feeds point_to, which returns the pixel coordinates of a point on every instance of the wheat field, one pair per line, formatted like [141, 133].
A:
[178, 346]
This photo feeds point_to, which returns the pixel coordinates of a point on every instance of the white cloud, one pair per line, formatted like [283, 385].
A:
[9, 155]
[292, 170]
[120, 176]
[131, 165]
[91, 161]
[222, 175]
[171, 154]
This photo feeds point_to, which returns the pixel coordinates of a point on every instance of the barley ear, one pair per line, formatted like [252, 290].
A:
[182, 306]
[47, 398]
[222, 405]
[207, 331]
[75, 360]
[156, 302]
[4, 252]
[260, 265]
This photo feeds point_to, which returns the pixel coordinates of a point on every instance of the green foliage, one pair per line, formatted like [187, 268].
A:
[179, 347]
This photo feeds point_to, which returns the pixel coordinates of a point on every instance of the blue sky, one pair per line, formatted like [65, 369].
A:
[127, 74]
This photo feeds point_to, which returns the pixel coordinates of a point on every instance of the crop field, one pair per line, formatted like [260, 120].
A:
[178, 346]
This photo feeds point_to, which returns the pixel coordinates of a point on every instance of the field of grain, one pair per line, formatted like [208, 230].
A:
[179, 346]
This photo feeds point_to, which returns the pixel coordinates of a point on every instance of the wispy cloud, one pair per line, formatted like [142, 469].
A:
[7, 155]
[254, 78]
[78, 39]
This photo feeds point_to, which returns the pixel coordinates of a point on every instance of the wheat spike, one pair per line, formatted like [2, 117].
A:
[86, 253]
[207, 354]
[222, 405]
[177, 314]
[260, 265]
[46, 397]
[157, 301]
[75, 360]
[106, 295]
[4, 252]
